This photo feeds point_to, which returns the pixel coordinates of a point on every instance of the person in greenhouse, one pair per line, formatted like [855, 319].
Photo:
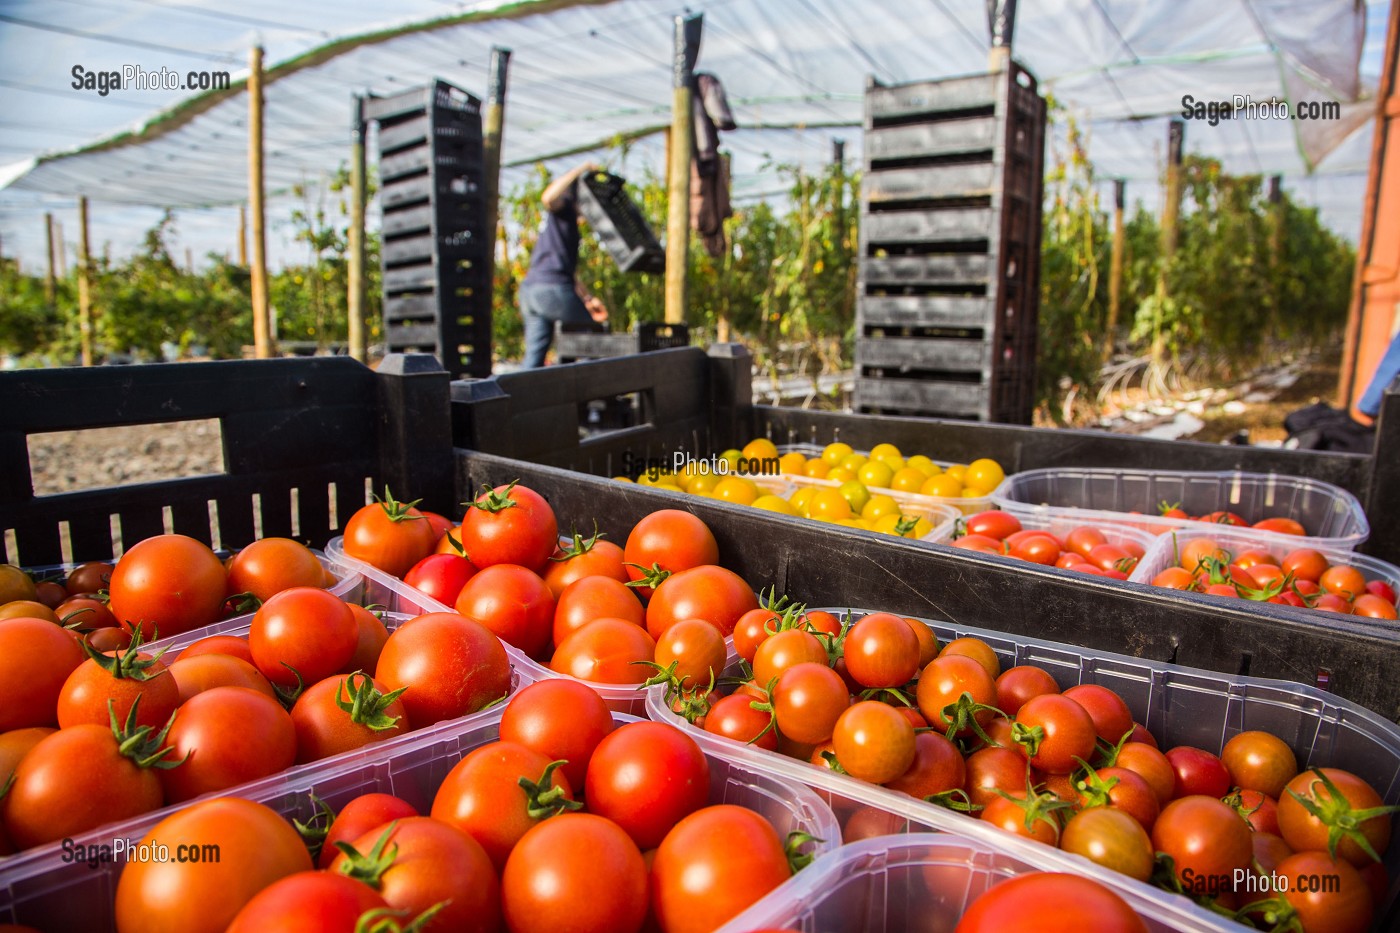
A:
[552, 290]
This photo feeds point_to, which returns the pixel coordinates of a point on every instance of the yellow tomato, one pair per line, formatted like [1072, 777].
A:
[840, 474]
[908, 480]
[855, 461]
[944, 484]
[793, 462]
[802, 499]
[623, 479]
[860, 523]
[856, 494]
[884, 452]
[732, 456]
[736, 489]
[905, 526]
[984, 475]
[876, 473]
[924, 465]
[834, 453]
[959, 470]
[817, 468]
[828, 503]
[702, 484]
[879, 504]
[772, 503]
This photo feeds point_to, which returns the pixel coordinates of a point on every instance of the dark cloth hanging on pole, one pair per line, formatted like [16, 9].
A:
[709, 171]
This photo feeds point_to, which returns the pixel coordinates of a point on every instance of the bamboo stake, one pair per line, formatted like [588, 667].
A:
[243, 236]
[50, 283]
[84, 285]
[1115, 271]
[686, 49]
[355, 300]
[262, 329]
[1176, 131]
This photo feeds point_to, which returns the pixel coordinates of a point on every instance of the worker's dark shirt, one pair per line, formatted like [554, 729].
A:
[556, 253]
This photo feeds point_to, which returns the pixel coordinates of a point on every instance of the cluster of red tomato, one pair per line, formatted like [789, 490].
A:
[1304, 577]
[518, 836]
[229, 709]
[586, 607]
[879, 699]
[1279, 524]
[1085, 549]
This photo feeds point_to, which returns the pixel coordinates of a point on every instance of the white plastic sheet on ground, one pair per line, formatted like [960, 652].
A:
[586, 74]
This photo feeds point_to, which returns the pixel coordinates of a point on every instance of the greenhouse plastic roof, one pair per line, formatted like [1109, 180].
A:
[586, 74]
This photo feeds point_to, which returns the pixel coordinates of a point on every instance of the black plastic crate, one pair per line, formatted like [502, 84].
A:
[575, 342]
[623, 230]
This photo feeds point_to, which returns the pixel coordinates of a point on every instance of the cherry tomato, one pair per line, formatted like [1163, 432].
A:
[938, 767]
[1329, 896]
[562, 720]
[440, 576]
[510, 524]
[1303, 831]
[1059, 733]
[1111, 838]
[1111, 716]
[719, 596]
[550, 881]
[1198, 772]
[452, 666]
[735, 718]
[881, 651]
[669, 538]
[1059, 904]
[647, 776]
[874, 742]
[580, 557]
[1206, 840]
[512, 601]
[36, 658]
[993, 524]
[697, 650]
[168, 584]
[1259, 761]
[808, 700]
[1018, 684]
[389, 535]
[302, 634]
[607, 651]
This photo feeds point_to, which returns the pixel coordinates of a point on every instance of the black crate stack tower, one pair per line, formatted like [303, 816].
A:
[948, 283]
[437, 289]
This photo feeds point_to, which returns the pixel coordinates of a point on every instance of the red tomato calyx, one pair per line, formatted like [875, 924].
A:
[137, 743]
[398, 511]
[579, 545]
[652, 576]
[128, 664]
[494, 500]
[366, 703]
[1336, 813]
[544, 798]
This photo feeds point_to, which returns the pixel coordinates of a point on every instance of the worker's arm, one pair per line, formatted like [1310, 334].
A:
[555, 191]
[592, 304]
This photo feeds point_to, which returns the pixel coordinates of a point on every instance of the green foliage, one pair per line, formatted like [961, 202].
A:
[27, 320]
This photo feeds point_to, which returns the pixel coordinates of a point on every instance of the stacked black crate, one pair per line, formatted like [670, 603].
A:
[949, 271]
[437, 293]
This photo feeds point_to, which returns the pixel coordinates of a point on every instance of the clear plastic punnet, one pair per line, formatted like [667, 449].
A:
[1061, 525]
[963, 505]
[50, 893]
[919, 881]
[1165, 552]
[1330, 515]
[621, 698]
[1179, 705]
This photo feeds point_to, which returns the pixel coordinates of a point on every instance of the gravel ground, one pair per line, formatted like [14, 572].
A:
[64, 461]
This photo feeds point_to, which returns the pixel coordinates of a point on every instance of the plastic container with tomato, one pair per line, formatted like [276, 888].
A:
[1165, 552]
[1061, 525]
[1179, 705]
[53, 892]
[920, 881]
[963, 505]
[938, 511]
[621, 698]
[1331, 516]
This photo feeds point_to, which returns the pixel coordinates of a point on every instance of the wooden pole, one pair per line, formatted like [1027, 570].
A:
[62, 247]
[262, 326]
[243, 236]
[84, 285]
[1115, 271]
[687, 49]
[493, 128]
[1170, 209]
[50, 282]
[355, 300]
[1001, 22]
[1276, 216]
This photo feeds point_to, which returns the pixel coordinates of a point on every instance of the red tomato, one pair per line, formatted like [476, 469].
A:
[1329, 895]
[734, 718]
[1059, 904]
[370, 638]
[235, 645]
[794, 646]
[1282, 526]
[359, 816]
[881, 650]
[270, 565]
[167, 585]
[595, 597]
[1305, 564]
[1343, 580]
[1059, 733]
[1154, 767]
[342, 713]
[993, 524]
[451, 665]
[1254, 558]
[646, 777]
[562, 720]
[752, 629]
[1304, 831]
[1110, 838]
[303, 634]
[1175, 578]
[996, 769]
[256, 847]
[207, 671]
[874, 742]
[697, 650]
[942, 685]
[308, 900]
[1259, 761]
[1018, 684]
[389, 535]
[1382, 589]
[498, 792]
[1206, 840]
[580, 557]
[808, 699]
[512, 601]
[1123, 789]
[983, 544]
[938, 767]
[719, 596]
[712, 865]
[671, 539]
[85, 612]
[1370, 606]
[1111, 716]
[36, 658]
[1009, 815]
[1258, 810]
[435, 863]
[53, 796]
[1037, 548]
[607, 651]
[91, 577]
[440, 576]
[1110, 557]
[550, 882]
[232, 735]
[1198, 772]
[123, 678]
[510, 525]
